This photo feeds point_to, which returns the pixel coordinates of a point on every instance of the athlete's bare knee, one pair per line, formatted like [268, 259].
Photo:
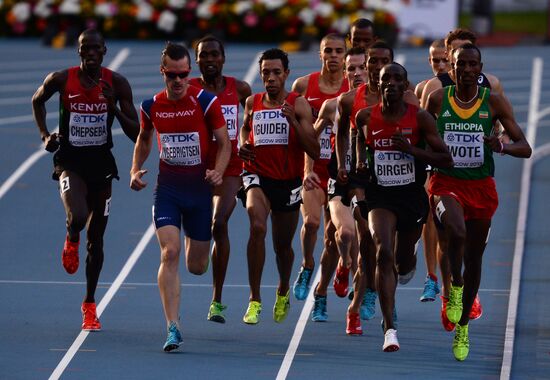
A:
[258, 229]
[76, 220]
[384, 257]
[345, 234]
[311, 225]
[219, 227]
[456, 233]
[169, 257]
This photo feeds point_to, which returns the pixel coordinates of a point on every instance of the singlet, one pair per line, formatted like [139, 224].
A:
[463, 130]
[359, 102]
[391, 168]
[446, 80]
[279, 154]
[229, 100]
[84, 120]
[184, 129]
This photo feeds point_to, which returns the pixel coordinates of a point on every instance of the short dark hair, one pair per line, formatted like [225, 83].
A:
[399, 65]
[334, 36]
[460, 34]
[362, 23]
[209, 38]
[175, 51]
[274, 54]
[356, 50]
[91, 32]
[380, 44]
[438, 44]
[469, 46]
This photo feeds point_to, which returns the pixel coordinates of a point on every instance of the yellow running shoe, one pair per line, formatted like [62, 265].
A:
[461, 343]
[454, 306]
[282, 305]
[252, 315]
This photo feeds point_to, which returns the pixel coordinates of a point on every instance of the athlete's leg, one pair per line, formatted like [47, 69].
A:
[74, 193]
[283, 227]
[312, 204]
[168, 274]
[224, 204]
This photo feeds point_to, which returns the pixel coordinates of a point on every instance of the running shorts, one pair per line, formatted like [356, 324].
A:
[283, 195]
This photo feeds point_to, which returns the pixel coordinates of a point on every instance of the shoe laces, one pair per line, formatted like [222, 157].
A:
[320, 303]
[455, 297]
[254, 307]
[370, 297]
[461, 336]
[304, 277]
[430, 285]
[217, 306]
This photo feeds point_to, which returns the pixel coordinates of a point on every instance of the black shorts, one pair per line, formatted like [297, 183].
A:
[334, 189]
[284, 195]
[96, 166]
[410, 205]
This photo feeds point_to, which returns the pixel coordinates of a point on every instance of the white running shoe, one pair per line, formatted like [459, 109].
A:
[391, 343]
[405, 278]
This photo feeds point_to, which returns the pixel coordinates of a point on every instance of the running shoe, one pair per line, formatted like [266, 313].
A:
[447, 325]
[215, 313]
[252, 315]
[454, 306]
[281, 307]
[353, 325]
[69, 257]
[368, 305]
[431, 290]
[319, 312]
[394, 319]
[341, 281]
[90, 322]
[173, 340]
[477, 310]
[391, 343]
[405, 278]
[351, 294]
[461, 343]
[301, 286]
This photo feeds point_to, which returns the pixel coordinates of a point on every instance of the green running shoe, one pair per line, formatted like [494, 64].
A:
[280, 310]
[215, 313]
[252, 315]
[454, 306]
[461, 343]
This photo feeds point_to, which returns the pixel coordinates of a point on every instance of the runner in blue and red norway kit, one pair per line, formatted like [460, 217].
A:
[83, 162]
[184, 119]
[210, 57]
[316, 88]
[395, 200]
[275, 134]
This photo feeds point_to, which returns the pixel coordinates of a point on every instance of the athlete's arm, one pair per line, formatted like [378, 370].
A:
[244, 91]
[215, 176]
[433, 104]
[246, 150]
[299, 117]
[53, 83]
[410, 98]
[419, 88]
[300, 85]
[126, 114]
[362, 120]
[501, 111]
[142, 149]
[345, 103]
[432, 85]
[325, 118]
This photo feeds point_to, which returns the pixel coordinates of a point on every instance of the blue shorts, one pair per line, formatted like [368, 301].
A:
[189, 207]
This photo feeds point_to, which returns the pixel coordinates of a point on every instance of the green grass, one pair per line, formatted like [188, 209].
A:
[517, 22]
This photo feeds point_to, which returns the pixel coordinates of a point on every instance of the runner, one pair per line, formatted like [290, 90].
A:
[396, 202]
[83, 162]
[316, 88]
[361, 33]
[184, 119]
[275, 134]
[210, 57]
[464, 198]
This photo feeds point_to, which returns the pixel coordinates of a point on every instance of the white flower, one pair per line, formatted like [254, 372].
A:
[242, 6]
[341, 24]
[42, 8]
[145, 11]
[105, 10]
[204, 11]
[307, 16]
[176, 4]
[70, 7]
[365, 14]
[324, 9]
[273, 4]
[21, 11]
[167, 21]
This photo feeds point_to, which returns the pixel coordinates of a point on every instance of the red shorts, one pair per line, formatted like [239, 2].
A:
[478, 197]
[235, 166]
[321, 169]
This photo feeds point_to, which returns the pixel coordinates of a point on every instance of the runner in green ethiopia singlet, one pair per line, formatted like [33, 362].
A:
[463, 130]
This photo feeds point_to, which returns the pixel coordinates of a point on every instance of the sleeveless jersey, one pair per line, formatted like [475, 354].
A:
[463, 130]
[279, 154]
[446, 80]
[359, 103]
[391, 168]
[184, 129]
[84, 120]
[229, 100]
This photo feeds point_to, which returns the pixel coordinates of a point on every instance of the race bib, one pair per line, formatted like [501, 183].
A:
[393, 168]
[250, 180]
[270, 128]
[295, 196]
[230, 115]
[181, 149]
[331, 186]
[87, 129]
[324, 141]
[466, 148]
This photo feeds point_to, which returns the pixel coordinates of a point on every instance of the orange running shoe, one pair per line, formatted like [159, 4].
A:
[89, 317]
[477, 310]
[353, 326]
[69, 257]
[447, 325]
[341, 281]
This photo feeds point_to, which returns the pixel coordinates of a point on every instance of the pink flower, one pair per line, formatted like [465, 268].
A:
[250, 19]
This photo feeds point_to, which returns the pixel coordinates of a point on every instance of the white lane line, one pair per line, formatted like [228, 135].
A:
[22, 169]
[298, 331]
[532, 119]
[125, 271]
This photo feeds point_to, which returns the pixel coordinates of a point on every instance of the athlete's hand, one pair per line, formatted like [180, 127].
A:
[246, 152]
[342, 177]
[213, 177]
[109, 94]
[400, 142]
[288, 111]
[361, 168]
[311, 181]
[136, 183]
[494, 143]
[51, 142]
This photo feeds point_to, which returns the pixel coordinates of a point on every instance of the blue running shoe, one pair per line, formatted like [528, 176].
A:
[301, 286]
[431, 290]
[394, 318]
[319, 312]
[173, 340]
[368, 305]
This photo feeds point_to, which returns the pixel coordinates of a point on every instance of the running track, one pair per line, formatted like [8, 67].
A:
[40, 314]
